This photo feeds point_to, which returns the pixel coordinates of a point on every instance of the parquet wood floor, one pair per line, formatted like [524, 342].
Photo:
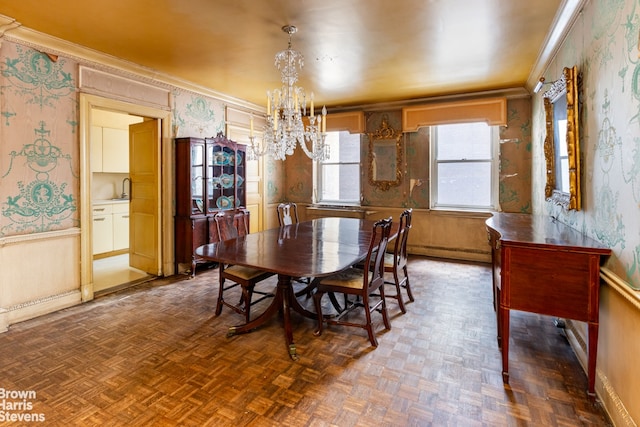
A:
[155, 355]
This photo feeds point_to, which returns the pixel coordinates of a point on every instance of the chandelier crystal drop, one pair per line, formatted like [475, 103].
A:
[286, 109]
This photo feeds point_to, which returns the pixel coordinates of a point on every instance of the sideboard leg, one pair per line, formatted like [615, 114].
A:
[504, 329]
[593, 353]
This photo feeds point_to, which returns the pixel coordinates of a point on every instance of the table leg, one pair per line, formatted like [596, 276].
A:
[504, 329]
[283, 299]
[276, 305]
[295, 304]
[284, 283]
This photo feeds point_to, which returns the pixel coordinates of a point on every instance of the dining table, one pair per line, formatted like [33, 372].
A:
[315, 248]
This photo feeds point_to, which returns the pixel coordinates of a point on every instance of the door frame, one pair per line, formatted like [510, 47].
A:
[165, 223]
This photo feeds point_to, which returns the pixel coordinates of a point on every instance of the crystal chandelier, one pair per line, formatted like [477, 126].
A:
[286, 109]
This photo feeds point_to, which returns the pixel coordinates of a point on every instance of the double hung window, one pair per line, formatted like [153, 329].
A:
[464, 169]
[338, 178]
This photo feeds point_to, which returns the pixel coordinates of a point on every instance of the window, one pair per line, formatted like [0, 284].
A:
[338, 178]
[464, 170]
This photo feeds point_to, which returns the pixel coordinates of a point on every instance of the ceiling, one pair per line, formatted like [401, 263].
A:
[356, 52]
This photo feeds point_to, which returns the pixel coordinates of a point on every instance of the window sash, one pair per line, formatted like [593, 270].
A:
[448, 195]
[329, 188]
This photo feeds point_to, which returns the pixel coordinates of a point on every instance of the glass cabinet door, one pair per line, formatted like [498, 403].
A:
[240, 174]
[197, 179]
[213, 161]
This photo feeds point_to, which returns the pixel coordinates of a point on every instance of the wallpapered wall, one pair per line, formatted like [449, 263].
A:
[39, 148]
[39, 152]
[413, 191]
[603, 43]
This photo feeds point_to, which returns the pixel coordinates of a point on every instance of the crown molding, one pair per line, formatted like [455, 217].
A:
[12, 30]
[563, 22]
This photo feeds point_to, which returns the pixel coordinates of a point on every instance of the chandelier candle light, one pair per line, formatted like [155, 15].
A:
[286, 110]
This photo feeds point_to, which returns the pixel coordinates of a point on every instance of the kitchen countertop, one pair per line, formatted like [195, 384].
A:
[110, 202]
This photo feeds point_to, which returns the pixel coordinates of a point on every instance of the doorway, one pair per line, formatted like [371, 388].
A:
[111, 196]
[159, 185]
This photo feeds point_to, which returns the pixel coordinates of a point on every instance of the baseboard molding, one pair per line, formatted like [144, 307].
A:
[605, 391]
[611, 402]
[450, 253]
[38, 307]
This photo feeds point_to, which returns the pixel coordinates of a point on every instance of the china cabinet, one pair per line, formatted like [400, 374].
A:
[210, 174]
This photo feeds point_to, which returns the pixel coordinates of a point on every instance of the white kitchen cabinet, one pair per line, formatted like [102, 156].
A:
[115, 150]
[120, 226]
[102, 229]
[109, 150]
[110, 227]
[96, 148]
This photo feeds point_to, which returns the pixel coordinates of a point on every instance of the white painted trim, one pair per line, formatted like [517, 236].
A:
[567, 14]
[87, 102]
[21, 238]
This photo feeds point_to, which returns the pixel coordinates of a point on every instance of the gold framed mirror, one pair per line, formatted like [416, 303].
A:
[385, 156]
[562, 144]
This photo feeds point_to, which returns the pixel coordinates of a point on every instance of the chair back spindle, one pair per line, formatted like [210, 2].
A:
[287, 213]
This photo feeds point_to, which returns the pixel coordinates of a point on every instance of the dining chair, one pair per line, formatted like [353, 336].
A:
[287, 213]
[362, 283]
[230, 225]
[396, 261]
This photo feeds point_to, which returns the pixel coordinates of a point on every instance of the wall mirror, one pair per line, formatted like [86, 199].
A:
[561, 144]
[385, 156]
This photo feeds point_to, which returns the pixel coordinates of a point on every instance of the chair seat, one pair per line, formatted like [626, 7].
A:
[242, 272]
[350, 278]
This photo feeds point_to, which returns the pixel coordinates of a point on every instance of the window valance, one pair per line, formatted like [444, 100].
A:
[493, 111]
[353, 122]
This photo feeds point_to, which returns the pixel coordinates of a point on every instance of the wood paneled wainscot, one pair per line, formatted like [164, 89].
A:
[543, 266]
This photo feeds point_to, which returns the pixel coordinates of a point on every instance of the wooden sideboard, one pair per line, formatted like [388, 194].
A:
[544, 266]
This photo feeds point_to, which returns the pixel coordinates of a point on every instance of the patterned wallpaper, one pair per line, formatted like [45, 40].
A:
[39, 148]
[196, 116]
[39, 142]
[515, 158]
[603, 43]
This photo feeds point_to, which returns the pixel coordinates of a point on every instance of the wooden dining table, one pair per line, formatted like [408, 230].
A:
[315, 248]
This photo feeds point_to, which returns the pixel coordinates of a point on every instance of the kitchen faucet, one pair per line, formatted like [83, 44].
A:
[124, 195]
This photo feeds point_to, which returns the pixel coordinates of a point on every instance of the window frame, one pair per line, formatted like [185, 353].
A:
[494, 161]
[318, 175]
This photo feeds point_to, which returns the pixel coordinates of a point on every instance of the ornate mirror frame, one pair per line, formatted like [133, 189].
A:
[565, 88]
[385, 143]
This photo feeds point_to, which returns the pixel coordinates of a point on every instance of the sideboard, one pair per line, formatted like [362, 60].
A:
[543, 266]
